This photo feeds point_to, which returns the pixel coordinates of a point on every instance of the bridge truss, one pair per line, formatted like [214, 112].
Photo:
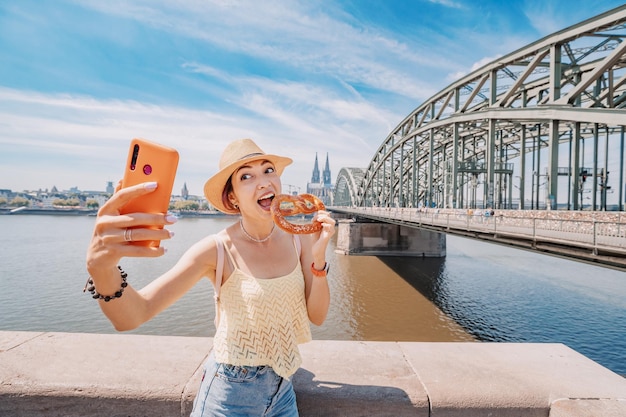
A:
[541, 127]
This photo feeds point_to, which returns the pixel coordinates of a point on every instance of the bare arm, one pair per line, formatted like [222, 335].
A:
[314, 247]
[108, 246]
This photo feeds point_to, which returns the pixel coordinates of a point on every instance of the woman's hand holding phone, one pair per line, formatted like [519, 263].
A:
[131, 223]
[148, 162]
[109, 244]
[128, 233]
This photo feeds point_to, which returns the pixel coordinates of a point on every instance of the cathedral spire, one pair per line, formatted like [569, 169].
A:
[326, 174]
[321, 189]
[315, 178]
[184, 192]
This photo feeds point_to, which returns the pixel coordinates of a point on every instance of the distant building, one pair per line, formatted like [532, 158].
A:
[47, 201]
[184, 192]
[110, 188]
[322, 187]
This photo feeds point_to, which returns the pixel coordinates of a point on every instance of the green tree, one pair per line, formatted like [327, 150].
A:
[69, 202]
[186, 205]
[92, 204]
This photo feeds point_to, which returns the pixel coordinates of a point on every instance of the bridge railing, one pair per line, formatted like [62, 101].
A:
[593, 230]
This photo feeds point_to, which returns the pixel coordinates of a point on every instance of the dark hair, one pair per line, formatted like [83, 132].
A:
[228, 188]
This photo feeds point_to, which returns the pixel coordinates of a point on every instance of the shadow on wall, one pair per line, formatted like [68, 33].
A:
[329, 398]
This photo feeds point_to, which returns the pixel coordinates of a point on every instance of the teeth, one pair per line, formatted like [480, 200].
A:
[266, 197]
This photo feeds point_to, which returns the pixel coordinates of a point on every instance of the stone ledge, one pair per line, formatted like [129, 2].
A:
[587, 408]
[70, 374]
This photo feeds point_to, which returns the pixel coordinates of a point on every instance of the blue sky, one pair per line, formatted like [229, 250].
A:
[80, 78]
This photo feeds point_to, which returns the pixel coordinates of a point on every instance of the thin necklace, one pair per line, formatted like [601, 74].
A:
[253, 238]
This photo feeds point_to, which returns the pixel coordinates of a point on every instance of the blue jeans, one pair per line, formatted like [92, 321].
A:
[231, 391]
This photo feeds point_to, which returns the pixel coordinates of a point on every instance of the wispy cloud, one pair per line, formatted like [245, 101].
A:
[547, 17]
[448, 3]
[80, 78]
[302, 37]
[91, 135]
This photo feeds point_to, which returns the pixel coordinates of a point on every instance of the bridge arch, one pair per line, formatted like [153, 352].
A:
[524, 131]
[348, 181]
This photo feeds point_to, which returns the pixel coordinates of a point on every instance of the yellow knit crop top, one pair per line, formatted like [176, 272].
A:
[262, 321]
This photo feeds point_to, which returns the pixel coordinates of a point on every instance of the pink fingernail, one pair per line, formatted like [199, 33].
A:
[150, 185]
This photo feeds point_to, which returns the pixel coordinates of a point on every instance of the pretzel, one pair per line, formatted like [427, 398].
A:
[303, 203]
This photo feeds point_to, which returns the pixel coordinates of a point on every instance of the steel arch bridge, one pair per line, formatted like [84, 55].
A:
[540, 127]
[347, 186]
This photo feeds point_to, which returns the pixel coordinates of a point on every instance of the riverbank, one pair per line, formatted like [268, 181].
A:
[73, 374]
[92, 212]
[48, 211]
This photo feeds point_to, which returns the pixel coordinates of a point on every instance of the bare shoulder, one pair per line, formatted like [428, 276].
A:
[203, 251]
[206, 248]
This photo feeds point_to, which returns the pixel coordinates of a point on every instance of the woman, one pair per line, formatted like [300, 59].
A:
[272, 283]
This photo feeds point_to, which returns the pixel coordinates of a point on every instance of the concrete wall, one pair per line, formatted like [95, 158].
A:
[70, 374]
[373, 238]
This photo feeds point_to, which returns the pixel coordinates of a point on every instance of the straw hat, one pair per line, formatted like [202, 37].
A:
[236, 154]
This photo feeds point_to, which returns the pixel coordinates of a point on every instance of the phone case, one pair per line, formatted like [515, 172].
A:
[148, 161]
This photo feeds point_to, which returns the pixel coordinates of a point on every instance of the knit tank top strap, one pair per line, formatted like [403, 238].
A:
[230, 257]
[263, 320]
[296, 243]
[219, 276]
[219, 271]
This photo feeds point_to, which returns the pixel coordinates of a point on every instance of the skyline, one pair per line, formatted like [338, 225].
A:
[81, 78]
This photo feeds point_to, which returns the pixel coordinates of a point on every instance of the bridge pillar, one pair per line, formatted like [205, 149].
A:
[385, 239]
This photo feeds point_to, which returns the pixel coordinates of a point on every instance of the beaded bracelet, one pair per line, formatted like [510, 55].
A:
[97, 296]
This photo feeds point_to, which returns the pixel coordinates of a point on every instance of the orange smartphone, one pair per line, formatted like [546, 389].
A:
[150, 162]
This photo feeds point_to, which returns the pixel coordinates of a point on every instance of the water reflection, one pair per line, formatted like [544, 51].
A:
[391, 299]
[480, 291]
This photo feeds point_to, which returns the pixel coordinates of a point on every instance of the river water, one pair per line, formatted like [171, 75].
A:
[478, 292]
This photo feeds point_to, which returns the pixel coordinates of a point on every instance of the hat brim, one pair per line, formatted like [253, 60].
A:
[214, 187]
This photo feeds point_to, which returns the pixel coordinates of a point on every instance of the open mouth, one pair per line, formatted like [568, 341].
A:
[266, 201]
